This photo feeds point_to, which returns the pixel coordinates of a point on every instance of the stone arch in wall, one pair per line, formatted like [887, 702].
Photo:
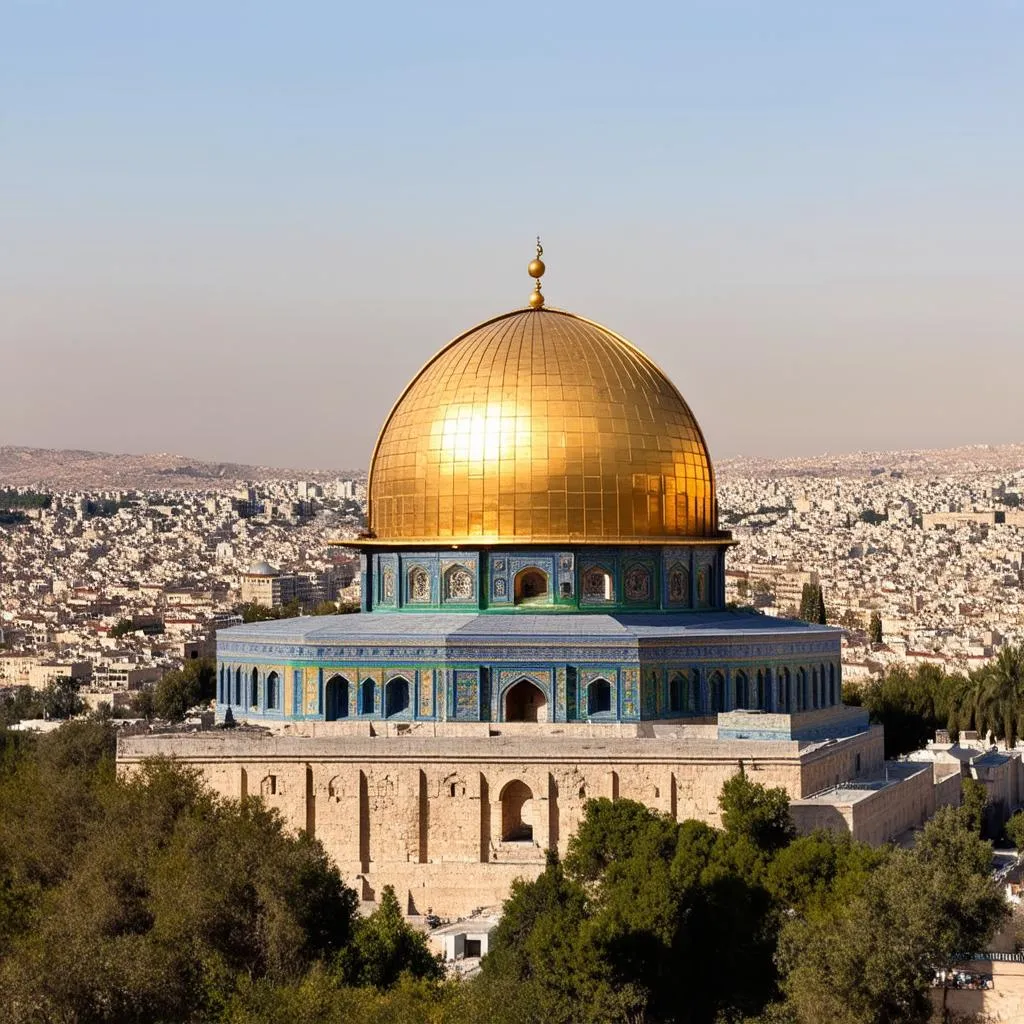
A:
[254, 688]
[336, 698]
[525, 701]
[516, 813]
[273, 692]
[599, 697]
[532, 586]
[397, 697]
[367, 697]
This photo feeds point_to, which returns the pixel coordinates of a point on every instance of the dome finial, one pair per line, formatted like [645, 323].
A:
[536, 271]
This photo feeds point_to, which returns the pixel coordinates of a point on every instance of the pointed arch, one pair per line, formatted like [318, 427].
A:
[599, 697]
[525, 701]
[396, 697]
[742, 684]
[531, 586]
[367, 697]
[677, 687]
[254, 689]
[716, 692]
[273, 692]
[418, 591]
[336, 698]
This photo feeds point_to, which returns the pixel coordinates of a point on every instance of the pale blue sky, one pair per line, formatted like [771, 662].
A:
[235, 230]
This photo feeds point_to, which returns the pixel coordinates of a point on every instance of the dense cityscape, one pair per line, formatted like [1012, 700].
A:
[115, 587]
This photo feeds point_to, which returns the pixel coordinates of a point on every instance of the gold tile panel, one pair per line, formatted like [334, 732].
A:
[541, 426]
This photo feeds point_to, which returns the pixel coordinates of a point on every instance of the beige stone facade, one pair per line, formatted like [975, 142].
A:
[450, 814]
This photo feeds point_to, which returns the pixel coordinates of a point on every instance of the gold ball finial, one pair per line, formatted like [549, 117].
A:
[536, 271]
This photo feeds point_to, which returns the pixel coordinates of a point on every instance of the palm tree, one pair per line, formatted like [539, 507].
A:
[994, 699]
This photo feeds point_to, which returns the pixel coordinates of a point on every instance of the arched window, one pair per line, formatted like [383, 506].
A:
[419, 585]
[597, 584]
[637, 584]
[525, 702]
[832, 684]
[254, 689]
[716, 690]
[694, 703]
[703, 587]
[336, 698]
[759, 695]
[823, 688]
[531, 585]
[785, 694]
[517, 813]
[458, 584]
[220, 685]
[599, 697]
[742, 690]
[676, 692]
[238, 686]
[802, 689]
[396, 697]
[678, 584]
[272, 694]
[367, 697]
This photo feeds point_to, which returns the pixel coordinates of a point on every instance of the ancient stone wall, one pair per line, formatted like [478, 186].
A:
[451, 820]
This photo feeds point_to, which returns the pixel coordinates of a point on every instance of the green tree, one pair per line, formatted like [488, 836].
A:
[873, 957]
[143, 704]
[761, 815]
[875, 628]
[122, 628]
[993, 700]
[180, 690]
[1015, 830]
[61, 700]
[184, 892]
[384, 947]
[973, 804]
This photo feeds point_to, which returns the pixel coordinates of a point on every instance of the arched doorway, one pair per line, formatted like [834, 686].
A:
[531, 587]
[599, 697]
[238, 686]
[525, 702]
[272, 691]
[336, 698]
[517, 813]
[254, 689]
[396, 697]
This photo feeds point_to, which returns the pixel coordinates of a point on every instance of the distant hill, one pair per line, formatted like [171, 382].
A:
[969, 459]
[69, 470]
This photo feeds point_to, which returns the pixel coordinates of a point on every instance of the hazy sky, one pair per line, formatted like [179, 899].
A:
[235, 230]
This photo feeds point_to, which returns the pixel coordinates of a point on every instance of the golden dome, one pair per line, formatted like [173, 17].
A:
[540, 426]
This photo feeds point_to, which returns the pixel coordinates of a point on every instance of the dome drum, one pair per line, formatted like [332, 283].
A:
[619, 578]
